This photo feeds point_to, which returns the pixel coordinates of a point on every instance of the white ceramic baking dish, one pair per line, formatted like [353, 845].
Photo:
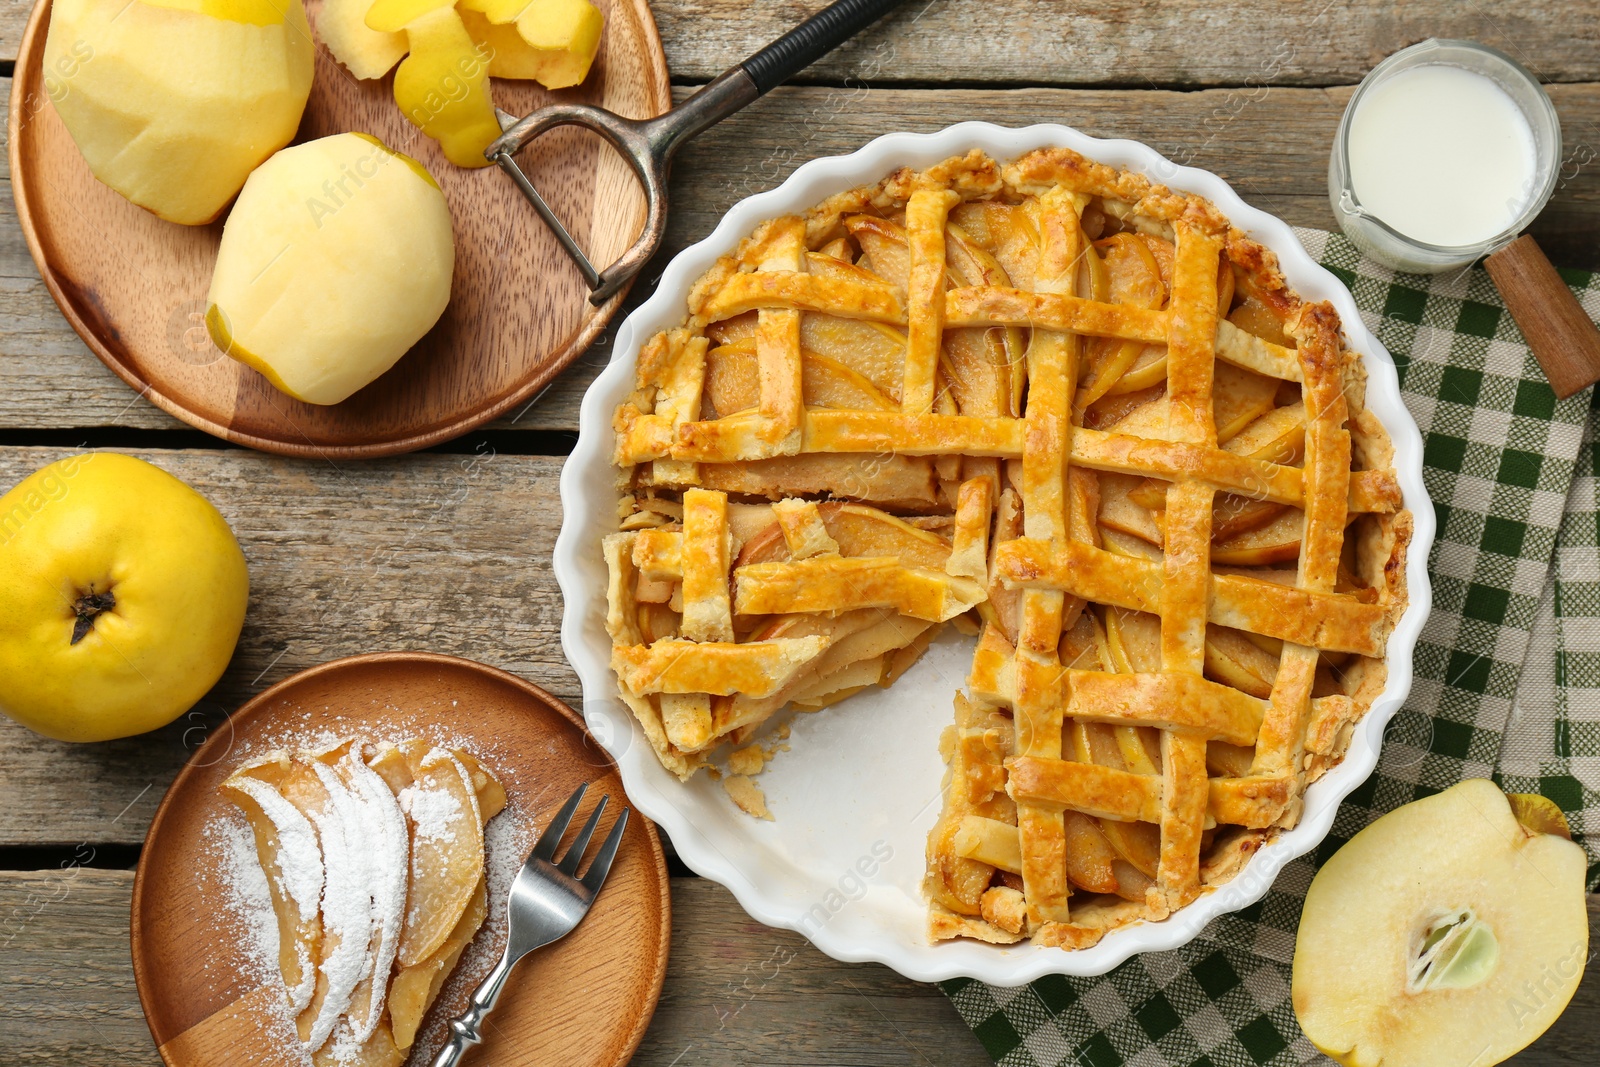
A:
[856, 794]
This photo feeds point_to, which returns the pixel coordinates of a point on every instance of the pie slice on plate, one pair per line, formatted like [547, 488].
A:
[374, 858]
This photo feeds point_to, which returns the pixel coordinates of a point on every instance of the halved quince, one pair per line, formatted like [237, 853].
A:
[1450, 931]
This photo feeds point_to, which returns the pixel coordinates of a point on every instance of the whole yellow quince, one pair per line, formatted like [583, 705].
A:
[122, 593]
[174, 102]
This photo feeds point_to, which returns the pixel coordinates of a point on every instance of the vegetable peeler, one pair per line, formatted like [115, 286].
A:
[650, 144]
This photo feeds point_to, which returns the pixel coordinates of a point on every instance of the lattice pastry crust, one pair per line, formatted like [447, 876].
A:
[1074, 413]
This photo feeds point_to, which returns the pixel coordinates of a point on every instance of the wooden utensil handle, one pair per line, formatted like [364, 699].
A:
[1563, 337]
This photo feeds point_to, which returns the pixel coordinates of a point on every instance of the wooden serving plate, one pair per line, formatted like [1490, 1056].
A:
[583, 1002]
[134, 287]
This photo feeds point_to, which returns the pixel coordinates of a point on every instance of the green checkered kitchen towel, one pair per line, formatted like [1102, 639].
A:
[1500, 453]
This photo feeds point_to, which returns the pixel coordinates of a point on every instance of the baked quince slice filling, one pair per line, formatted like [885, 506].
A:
[391, 763]
[383, 829]
[291, 858]
[342, 1050]
[446, 851]
[416, 987]
[347, 918]
[1137, 460]
[368, 929]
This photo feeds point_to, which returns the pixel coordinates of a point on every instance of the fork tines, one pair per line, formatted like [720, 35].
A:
[550, 840]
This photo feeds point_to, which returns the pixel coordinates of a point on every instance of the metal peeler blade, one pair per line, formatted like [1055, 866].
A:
[649, 145]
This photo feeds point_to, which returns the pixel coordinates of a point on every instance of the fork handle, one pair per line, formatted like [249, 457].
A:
[466, 1028]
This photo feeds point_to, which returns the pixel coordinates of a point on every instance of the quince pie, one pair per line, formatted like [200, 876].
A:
[1074, 413]
[374, 859]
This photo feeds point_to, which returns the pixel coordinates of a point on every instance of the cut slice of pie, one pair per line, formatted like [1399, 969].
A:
[291, 858]
[374, 855]
[1073, 413]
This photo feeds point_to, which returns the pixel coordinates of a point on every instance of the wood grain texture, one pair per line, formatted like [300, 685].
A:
[435, 553]
[349, 557]
[134, 287]
[1043, 42]
[1271, 143]
[736, 992]
[1556, 327]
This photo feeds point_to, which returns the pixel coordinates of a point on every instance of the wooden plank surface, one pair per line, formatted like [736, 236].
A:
[732, 984]
[1125, 42]
[1272, 144]
[450, 552]
[736, 992]
[443, 553]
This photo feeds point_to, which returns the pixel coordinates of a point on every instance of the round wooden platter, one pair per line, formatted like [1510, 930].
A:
[134, 287]
[583, 1002]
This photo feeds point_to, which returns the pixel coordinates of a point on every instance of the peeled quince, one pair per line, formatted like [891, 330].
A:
[365, 52]
[337, 258]
[570, 25]
[1451, 931]
[454, 47]
[174, 103]
[393, 16]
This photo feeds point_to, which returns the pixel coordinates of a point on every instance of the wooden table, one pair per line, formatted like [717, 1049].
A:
[449, 550]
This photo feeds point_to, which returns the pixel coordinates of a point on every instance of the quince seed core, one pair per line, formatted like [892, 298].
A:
[87, 608]
[1457, 950]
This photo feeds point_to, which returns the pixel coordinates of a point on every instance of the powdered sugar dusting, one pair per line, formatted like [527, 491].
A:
[434, 812]
[384, 828]
[244, 885]
[346, 902]
[507, 838]
[298, 871]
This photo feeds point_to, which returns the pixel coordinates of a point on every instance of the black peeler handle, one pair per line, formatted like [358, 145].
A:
[812, 39]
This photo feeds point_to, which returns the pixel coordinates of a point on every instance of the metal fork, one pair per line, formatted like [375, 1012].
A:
[547, 902]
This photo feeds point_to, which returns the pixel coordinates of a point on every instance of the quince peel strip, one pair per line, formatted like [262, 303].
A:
[450, 51]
